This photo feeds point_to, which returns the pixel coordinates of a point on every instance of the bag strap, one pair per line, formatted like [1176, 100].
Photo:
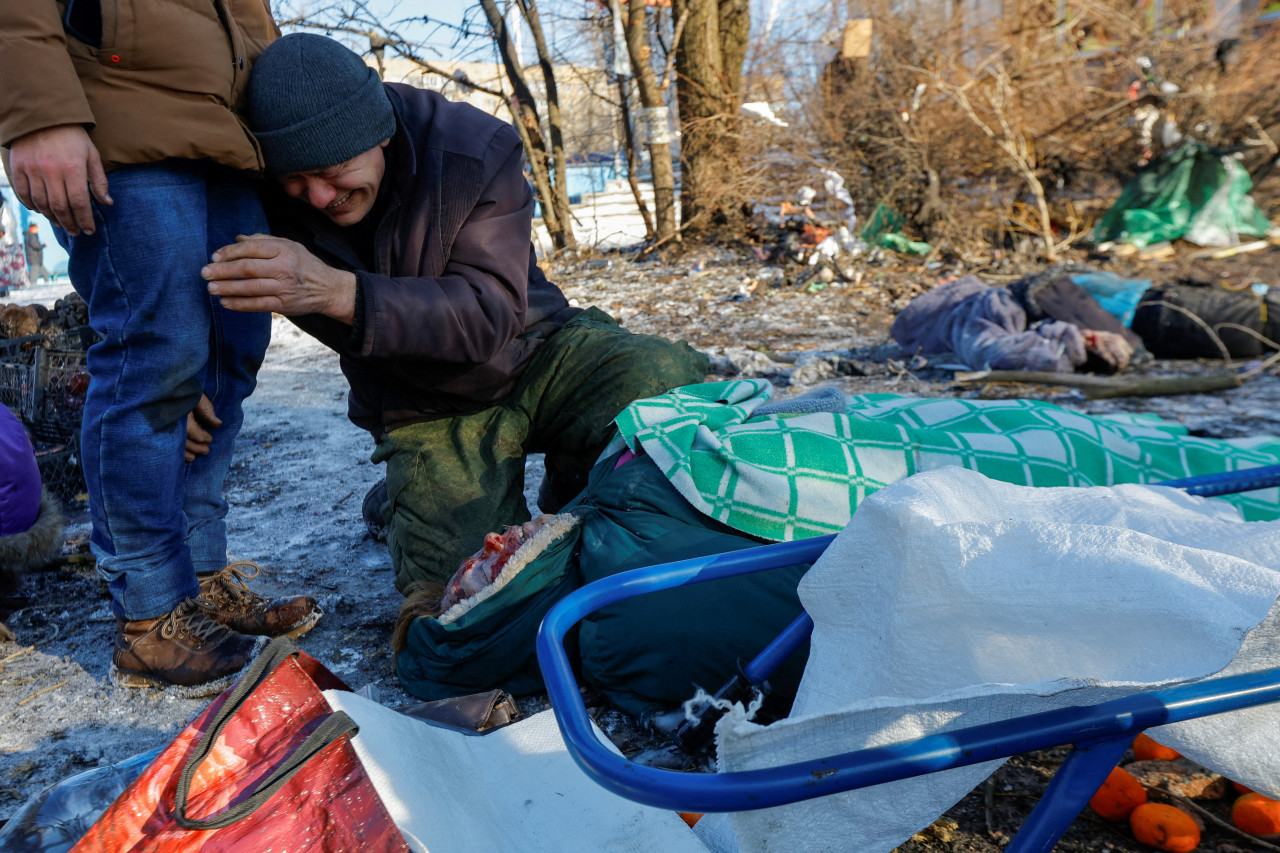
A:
[333, 727]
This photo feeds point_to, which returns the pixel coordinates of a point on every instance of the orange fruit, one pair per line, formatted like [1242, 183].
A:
[690, 817]
[1257, 815]
[1241, 789]
[1118, 796]
[1165, 827]
[1144, 749]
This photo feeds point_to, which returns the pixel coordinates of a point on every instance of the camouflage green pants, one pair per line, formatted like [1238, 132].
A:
[451, 481]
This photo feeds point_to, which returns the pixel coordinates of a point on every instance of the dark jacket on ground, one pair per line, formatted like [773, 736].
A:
[450, 303]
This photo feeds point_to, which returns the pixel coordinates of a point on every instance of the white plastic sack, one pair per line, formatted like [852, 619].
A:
[515, 788]
[951, 600]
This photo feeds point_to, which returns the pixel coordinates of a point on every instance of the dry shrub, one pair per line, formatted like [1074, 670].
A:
[977, 131]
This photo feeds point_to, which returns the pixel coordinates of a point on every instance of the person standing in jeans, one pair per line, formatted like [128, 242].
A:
[122, 126]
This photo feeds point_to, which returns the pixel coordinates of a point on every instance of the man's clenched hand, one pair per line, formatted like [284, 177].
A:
[264, 273]
[200, 425]
[54, 171]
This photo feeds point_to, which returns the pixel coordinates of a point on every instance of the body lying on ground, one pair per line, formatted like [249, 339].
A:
[1076, 318]
[713, 476]
[1051, 324]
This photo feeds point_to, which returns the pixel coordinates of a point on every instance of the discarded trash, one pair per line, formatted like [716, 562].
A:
[833, 183]
[54, 819]
[1191, 193]
[898, 243]
[762, 111]
[883, 219]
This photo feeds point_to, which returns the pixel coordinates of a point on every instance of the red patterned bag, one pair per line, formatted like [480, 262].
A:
[268, 766]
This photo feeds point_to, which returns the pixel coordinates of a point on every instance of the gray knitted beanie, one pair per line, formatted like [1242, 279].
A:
[313, 103]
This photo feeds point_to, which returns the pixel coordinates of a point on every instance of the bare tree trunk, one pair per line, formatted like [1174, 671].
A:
[735, 30]
[559, 163]
[527, 124]
[652, 98]
[708, 108]
[629, 145]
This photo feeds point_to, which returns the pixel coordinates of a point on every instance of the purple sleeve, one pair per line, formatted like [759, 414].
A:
[19, 477]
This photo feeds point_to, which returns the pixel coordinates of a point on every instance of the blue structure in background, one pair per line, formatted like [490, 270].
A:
[590, 177]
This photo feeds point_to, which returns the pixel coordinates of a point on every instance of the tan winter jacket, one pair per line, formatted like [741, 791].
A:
[166, 79]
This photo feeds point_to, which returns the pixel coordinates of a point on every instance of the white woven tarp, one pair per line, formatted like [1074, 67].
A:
[514, 789]
[952, 600]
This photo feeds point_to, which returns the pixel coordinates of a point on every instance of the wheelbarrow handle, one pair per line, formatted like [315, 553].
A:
[1228, 482]
[756, 789]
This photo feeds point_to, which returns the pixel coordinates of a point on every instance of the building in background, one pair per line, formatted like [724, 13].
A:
[592, 139]
[586, 96]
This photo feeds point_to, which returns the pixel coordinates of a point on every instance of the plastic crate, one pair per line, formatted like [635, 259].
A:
[19, 375]
[63, 382]
[43, 380]
[60, 469]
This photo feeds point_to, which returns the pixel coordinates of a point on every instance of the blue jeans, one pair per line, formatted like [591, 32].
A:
[156, 519]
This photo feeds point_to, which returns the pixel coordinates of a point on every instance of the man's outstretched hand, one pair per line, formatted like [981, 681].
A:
[200, 425]
[264, 273]
[54, 171]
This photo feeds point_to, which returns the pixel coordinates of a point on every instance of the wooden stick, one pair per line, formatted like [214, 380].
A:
[1243, 248]
[19, 653]
[1099, 387]
[39, 692]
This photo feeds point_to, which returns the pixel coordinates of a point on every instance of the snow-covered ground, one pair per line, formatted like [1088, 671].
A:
[296, 487]
[604, 220]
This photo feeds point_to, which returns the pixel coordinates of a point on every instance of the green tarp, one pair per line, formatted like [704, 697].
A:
[1189, 193]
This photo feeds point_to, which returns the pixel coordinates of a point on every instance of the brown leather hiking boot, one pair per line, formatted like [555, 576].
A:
[184, 648]
[241, 609]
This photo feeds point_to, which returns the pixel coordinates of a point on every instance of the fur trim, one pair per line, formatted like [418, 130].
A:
[424, 599]
[557, 527]
[37, 546]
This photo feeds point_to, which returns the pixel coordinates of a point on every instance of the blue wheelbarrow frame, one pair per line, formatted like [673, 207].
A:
[1099, 734]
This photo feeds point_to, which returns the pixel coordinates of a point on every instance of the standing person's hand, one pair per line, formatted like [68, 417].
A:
[264, 273]
[201, 422]
[54, 170]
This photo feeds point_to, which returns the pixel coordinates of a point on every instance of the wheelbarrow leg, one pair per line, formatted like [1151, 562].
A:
[1081, 775]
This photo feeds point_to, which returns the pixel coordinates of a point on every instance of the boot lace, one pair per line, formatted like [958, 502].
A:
[191, 617]
[228, 587]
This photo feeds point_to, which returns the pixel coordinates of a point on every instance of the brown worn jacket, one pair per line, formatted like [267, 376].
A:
[166, 78]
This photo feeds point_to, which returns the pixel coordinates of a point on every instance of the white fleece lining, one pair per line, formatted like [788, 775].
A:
[532, 547]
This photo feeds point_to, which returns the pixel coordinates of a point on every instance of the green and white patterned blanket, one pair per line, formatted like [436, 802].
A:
[784, 477]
